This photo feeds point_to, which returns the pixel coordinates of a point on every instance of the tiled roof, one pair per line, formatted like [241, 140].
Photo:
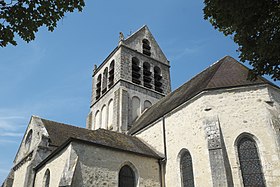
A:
[59, 133]
[226, 73]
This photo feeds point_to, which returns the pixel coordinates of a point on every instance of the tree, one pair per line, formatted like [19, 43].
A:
[255, 26]
[24, 17]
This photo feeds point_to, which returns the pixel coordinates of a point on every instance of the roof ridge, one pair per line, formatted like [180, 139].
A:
[62, 123]
[136, 32]
[218, 63]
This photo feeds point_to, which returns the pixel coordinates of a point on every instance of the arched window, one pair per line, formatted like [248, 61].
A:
[28, 140]
[97, 120]
[46, 179]
[146, 47]
[105, 79]
[110, 114]
[136, 71]
[158, 78]
[98, 86]
[147, 104]
[127, 177]
[147, 75]
[186, 169]
[250, 163]
[104, 117]
[111, 73]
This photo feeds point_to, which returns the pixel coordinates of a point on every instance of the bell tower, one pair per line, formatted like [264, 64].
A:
[131, 79]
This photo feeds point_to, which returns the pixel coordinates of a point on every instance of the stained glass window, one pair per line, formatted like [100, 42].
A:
[186, 170]
[250, 163]
[126, 177]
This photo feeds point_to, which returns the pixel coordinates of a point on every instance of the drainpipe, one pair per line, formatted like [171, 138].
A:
[162, 162]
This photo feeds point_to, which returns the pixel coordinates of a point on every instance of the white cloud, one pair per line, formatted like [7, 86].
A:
[11, 134]
[4, 141]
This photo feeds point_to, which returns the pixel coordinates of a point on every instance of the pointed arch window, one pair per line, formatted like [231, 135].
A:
[250, 163]
[111, 73]
[146, 47]
[127, 177]
[46, 179]
[136, 71]
[186, 168]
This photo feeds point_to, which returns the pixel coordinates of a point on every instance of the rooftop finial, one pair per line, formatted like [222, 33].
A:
[95, 68]
[121, 38]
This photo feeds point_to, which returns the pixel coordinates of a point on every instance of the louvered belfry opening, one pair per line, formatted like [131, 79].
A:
[98, 86]
[105, 81]
[136, 74]
[111, 74]
[250, 163]
[147, 75]
[158, 79]
[146, 47]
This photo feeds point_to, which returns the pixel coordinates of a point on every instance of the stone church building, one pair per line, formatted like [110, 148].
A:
[218, 129]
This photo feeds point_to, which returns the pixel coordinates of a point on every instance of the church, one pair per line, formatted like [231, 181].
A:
[218, 129]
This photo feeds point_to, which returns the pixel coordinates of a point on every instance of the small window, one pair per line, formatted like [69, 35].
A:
[147, 79]
[28, 140]
[136, 71]
[111, 74]
[158, 79]
[250, 163]
[46, 180]
[186, 169]
[98, 86]
[146, 47]
[127, 177]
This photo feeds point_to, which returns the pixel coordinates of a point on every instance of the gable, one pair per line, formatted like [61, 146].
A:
[135, 42]
[31, 139]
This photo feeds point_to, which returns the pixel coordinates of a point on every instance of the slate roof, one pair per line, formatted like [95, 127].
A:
[59, 133]
[226, 73]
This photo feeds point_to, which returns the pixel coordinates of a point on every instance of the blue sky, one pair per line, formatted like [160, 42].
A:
[51, 76]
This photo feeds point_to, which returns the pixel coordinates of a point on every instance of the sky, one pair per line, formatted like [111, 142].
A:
[51, 76]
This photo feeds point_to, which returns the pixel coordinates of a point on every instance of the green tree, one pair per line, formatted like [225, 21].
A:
[255, 26]
[24, 17]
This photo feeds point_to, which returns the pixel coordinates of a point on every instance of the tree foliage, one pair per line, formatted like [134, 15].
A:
[254, 26]
[24, 17]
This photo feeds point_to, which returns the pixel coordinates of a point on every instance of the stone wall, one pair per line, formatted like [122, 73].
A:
[56, 166]
[100, 166]
[239, 111]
